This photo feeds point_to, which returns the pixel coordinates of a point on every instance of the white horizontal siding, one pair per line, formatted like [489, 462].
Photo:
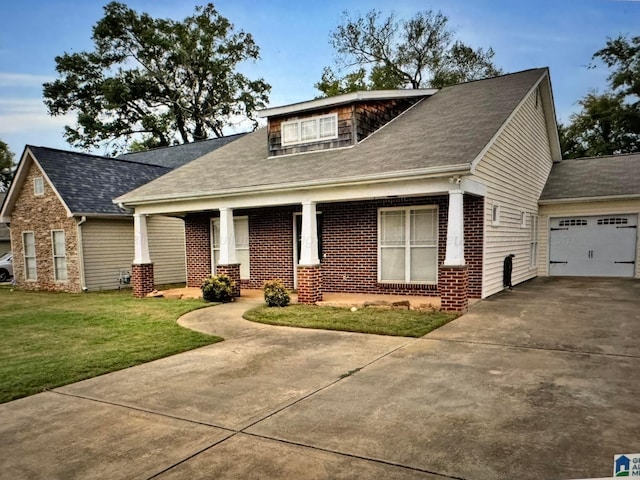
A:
[580, 209]
[107, 250]
[167, 250]
[514, 170]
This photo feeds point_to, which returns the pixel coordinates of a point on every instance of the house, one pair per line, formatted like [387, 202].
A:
[66, 232]
[5, 236]
[406, 192]
[589, 212]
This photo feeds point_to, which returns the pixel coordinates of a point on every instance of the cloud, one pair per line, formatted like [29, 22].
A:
[8, 79]
[29, 114]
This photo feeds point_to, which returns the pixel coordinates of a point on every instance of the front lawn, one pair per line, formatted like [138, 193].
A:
[402, 323]
[52, 339]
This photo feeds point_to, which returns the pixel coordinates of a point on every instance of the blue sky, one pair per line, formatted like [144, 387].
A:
[294, 40]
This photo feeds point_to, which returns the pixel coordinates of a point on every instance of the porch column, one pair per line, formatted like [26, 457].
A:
[309, 275]
[142, 268]
[453, 276]
[228, 261]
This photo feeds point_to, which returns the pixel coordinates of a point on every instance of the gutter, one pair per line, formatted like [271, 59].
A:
[80, 248]
[603, 198]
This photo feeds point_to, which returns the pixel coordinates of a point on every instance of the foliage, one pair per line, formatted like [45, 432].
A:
[608, 123]
[53, 339]
[159, 81]
[6, 166]
[275, 293]
[415, 53]
[402, 323]
[218, 288]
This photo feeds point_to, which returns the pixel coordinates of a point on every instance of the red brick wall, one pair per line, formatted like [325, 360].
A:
[474, 242]
[197, 231]
[454, 283]
[142, 279]
[309, 284]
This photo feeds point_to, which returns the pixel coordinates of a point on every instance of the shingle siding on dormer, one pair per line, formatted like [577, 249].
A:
[356, 122]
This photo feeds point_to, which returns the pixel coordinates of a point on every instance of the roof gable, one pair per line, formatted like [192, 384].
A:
[592, 177]
[441, 133]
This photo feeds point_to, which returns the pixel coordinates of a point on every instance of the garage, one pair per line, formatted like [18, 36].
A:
[593, 246]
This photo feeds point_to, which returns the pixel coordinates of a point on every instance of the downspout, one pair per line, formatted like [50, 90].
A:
[80, 248]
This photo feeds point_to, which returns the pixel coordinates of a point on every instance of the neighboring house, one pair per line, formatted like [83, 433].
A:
[407, 192]
[589, 218]
[5, 235]
[66, 232]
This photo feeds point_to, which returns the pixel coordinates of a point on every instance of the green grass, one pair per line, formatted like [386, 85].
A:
[52, 339]
[402, 323]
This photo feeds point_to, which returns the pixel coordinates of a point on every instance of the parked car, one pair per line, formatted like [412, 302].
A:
[6, 267]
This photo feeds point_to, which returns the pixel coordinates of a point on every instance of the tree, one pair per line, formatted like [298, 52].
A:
[415, 53]
[6, 166]
[157, 81]
[608, 123]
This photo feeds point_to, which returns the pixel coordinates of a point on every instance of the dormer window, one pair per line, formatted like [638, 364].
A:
[324, 127]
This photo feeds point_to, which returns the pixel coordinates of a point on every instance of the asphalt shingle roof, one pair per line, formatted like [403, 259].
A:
[447, 129]
[89, 183]
[179, 155]
[613, 175]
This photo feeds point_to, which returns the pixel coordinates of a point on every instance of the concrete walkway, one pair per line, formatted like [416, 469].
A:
[541, 382]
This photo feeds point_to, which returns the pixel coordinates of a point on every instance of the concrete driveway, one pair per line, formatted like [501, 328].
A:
[541, 382]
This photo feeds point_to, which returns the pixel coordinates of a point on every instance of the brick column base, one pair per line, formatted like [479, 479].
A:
[232, 271]
[309, 284]
[142, 279]
[453, 283]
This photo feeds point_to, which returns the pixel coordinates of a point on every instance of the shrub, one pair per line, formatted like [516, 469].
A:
[275, 293]
[218, 288]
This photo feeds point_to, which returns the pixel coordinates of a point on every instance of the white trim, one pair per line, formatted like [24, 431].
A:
[604, 198]
[140, 240]
[213, 249]
[24, 256]
[454, 250]
[407, 245]
[344, 98]
[54, 256]
[317, 138]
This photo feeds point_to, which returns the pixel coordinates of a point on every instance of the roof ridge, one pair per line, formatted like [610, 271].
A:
[100, 157]
[597, 157]
[497, 76]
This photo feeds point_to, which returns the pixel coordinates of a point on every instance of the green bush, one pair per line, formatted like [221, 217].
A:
[218, 288]
[275, 293]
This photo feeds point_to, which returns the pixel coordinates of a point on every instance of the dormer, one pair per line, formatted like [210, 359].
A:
[335, 122]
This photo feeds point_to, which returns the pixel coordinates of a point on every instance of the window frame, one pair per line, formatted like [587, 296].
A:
[54, 255]
[26, 257]
[533, 241]
[317, 137]
[407, 244]
[38, 186]
[215, 223]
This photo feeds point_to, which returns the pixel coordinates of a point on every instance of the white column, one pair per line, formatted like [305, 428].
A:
[141, 240]
[455, 230]
[309, 235]
[227, 238]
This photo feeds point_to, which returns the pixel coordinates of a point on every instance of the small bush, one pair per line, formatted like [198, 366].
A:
[218, 288]
[275, 293]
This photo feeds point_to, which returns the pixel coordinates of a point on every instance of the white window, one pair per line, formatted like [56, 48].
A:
[495, 214]
[533, 242]
[59, 255]
[241, 227]
[38, 186]
[29, 248]
[312, 129]
[408, 245]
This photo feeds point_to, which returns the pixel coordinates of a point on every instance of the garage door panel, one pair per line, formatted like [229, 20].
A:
[593, 246]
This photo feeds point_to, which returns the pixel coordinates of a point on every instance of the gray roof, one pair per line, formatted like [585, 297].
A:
[178, 155]
[614, 175]
[5, 233]
[448, 129]
[88, 183]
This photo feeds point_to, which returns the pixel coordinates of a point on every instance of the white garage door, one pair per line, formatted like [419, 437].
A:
[603, 246]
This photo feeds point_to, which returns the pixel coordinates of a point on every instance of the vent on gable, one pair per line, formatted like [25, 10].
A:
[573, 222]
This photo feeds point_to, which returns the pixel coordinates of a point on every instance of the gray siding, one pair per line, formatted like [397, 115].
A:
[514, 169]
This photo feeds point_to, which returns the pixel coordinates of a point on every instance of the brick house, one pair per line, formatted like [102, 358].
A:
[68, 235]
[418, 192]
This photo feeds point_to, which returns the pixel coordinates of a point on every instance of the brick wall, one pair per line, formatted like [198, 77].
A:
[41, 215]
[309, 284]
[454, 283]
[142, 279]
[474, 242]
[197, 232]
